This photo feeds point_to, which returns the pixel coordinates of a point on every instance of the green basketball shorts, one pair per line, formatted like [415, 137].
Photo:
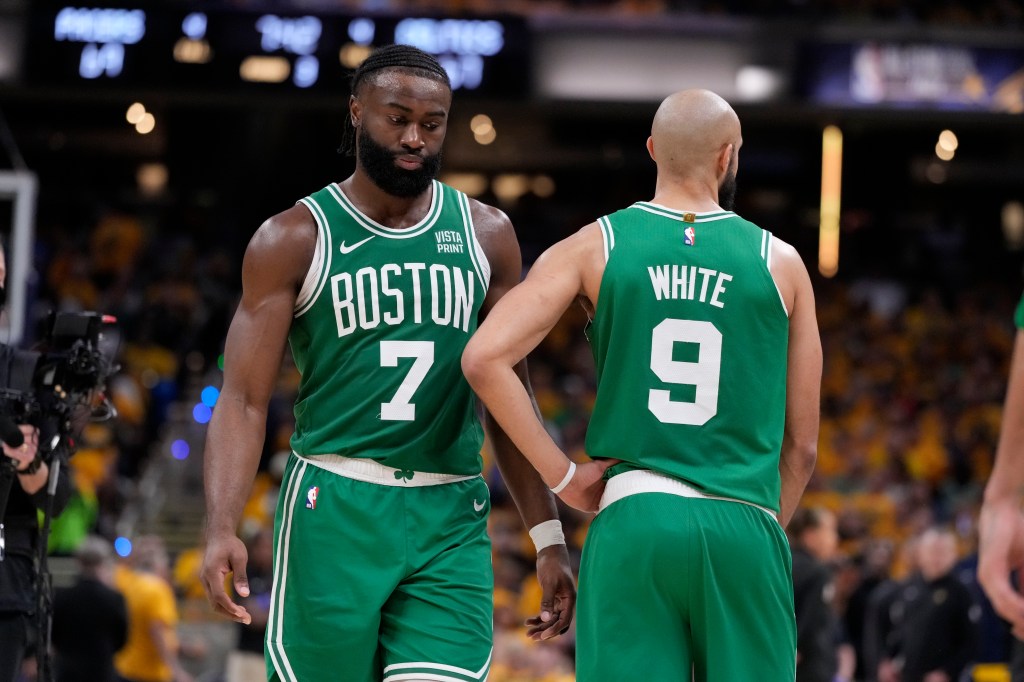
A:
[677, 586]
[380, 575]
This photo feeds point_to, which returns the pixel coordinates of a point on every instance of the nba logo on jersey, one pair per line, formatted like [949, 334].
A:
[311, 497]
[689, 236]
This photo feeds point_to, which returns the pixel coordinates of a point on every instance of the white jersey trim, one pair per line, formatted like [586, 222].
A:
[607, 235]
[666, 212]
[371, 225]
[479, 674]
[370, 471]
[644, 481]
[275, 638]
[316, 276]
[767, 242]
[476, 251]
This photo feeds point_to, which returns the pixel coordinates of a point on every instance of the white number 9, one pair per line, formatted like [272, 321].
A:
[703, 374]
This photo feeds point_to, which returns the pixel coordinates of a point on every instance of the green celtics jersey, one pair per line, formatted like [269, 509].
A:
[690, 342]
[380, 325]
[1018, 317]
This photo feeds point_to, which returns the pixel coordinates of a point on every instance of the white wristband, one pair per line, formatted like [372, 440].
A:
[547, 534]
[565, 481]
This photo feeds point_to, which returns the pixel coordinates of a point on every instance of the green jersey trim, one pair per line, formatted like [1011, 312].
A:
[609, 236]
[705, 217]
[476, 252]
[1018, 316]
[371, 225]
[316, 276]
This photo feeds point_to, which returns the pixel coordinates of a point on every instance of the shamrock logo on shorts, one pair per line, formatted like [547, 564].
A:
[404, 474]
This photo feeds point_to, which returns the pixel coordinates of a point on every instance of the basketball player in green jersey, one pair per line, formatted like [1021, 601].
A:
[382, 565]
[1001, 526]
[709, 369]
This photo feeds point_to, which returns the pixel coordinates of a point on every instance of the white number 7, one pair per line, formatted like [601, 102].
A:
[400, 409]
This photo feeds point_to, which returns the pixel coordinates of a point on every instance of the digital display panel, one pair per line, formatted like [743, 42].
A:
[142, 46]
[915, 75]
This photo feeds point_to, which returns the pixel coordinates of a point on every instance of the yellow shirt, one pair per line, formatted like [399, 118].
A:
[150, 601]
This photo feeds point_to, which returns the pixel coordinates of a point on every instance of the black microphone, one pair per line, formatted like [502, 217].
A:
[10, 434]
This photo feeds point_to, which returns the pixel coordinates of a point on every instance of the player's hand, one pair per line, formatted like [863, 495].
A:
[587, 485]
[225, 554]
[558, 594]
[27, 451]
[1001, 530]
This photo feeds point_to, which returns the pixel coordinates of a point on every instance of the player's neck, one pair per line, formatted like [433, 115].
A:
[387, 209]
[688, 194]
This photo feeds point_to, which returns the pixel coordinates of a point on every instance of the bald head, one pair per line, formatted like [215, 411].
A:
[691, 130]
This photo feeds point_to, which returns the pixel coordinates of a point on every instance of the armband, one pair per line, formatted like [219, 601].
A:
[565, 481]
[547, 533]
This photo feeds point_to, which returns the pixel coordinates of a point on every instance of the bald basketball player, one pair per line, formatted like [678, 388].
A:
[704, 431]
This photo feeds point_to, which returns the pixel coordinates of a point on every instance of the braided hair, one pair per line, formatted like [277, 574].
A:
[403, 58]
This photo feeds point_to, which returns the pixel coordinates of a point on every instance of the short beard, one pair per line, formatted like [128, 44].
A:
[727, 191]
[379, 163]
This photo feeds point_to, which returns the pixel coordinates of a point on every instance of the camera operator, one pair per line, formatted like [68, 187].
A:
[24, 474]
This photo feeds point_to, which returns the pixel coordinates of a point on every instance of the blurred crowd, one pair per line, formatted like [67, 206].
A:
[912, 393]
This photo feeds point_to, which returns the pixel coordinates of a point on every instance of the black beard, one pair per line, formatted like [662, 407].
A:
[379, 163]
[727, 192]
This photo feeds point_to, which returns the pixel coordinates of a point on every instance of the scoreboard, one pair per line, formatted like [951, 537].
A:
[225, 49]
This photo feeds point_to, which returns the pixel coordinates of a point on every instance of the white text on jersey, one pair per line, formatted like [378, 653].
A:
[449, 241]
[671, 282]
[373, 295]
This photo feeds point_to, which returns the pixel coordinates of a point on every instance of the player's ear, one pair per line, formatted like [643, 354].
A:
[724, 160]
[650, 148]
[355, 110]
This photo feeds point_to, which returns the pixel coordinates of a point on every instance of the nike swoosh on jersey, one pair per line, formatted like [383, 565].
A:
[350, 249]
[479, 506]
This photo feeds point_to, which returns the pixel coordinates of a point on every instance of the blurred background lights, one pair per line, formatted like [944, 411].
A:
[473, 184]
[483, 129]
[146, 124]
[202, 413]
[194, 25]
[948, 141]
[510, 186]
[210, 395]
[1013, 225]
[481, 124]
[135, 113]
[123, 546]
[179, 449]
[543, 186]
[151, 178]
[352, 55]
[361, 31]
[936, 173]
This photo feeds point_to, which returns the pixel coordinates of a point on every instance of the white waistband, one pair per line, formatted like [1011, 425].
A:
[370, 471]
[644, 481]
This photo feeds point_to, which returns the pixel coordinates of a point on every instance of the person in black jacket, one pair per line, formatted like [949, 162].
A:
[814, 539]
[24, 474]
[90, 619]
[936, 618]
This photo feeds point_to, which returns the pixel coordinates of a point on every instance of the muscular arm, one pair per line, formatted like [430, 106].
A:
[516, 325]
[1001, 525]
[275, 264]
[803, 380]
[535, 502]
